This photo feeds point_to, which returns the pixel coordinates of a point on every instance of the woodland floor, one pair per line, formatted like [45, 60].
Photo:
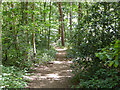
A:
[56, 74]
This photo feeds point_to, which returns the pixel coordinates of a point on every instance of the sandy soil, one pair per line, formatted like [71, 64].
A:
[56, 74]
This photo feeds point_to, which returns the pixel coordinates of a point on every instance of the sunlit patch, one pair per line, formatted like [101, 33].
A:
[57, 62]
[57, 79]
[46, 68]
[30, 77]
[61, 53]
[57, 72]
[61, 62]
[68, 76]
[53, 76]
[69, 70]
[69, 62]
[61, 49]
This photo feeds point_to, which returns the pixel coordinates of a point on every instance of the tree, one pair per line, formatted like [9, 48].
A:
[70, 17]
[79, 12]
[26, 20]
[62, 25]
[79, 17]
[15, 31]
[49, 28]
[33, 33]
[45, 19]
[0, 36]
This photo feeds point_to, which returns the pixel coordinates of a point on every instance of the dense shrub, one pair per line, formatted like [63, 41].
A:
[111, 54]
[102, 78]
[98, 28]
[12, 77]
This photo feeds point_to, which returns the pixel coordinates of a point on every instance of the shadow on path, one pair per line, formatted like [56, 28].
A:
[55, 75]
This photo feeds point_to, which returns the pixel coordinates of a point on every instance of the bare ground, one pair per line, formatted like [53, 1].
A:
[56, 74]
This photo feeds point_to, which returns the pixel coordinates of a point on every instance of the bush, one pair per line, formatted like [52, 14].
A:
[46, 56]
[96, 30]
[90, 77]
[12, 77]
[111, 54]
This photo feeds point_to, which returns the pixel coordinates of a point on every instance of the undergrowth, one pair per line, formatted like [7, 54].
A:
[12, 77]
[88, 77]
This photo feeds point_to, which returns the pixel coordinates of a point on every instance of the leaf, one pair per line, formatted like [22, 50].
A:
[97, 54]
[111, 63]
[116, 62]
[109, 56]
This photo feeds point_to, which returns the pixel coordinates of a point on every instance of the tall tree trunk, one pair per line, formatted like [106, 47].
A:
[41, 15]
[79, 13]
[26, 23]
[15, 32]
[33, 34]
[62, 25]
[0, 37]
[59, 29]
[79, 17]
[22, 12]
[45, 19]
[49, 28]
[70, 18]
[26, 20]
[64, 30]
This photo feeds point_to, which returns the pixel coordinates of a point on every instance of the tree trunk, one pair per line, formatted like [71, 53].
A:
[41, 15]
[79, 17]
[49, 28]
[45, 19]
[59, 30]
[26, 20]
[26, 23]
[62, 25]
[70, 18]
[33, 34]
[0, 37]
[15, 32]
[22, 12]
[79, 13]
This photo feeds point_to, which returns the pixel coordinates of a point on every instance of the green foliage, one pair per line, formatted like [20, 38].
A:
[17, 30]
[98, 27]
[12, 77]
[46, 56]
[88, 74]
[111, 54]
[102, 78]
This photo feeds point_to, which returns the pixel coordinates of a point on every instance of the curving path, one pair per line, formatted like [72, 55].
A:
[56, 74]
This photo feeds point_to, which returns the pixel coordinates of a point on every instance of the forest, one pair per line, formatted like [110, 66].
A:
[60, 44]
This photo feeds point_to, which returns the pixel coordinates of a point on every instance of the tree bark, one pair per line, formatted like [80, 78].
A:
[45, 19]
[49, 28]
[33, 34]
[22, 12]
[26, 23]
[70, 18]
[15, 31]
[62, 25]
[59, 30]
[79, 13]
[41, 15]
[26, 20]
[0, 37]
[79, 17]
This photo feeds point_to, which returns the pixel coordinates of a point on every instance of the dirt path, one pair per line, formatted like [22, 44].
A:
[57, 74]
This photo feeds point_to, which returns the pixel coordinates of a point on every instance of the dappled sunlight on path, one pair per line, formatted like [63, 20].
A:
[57, 74]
